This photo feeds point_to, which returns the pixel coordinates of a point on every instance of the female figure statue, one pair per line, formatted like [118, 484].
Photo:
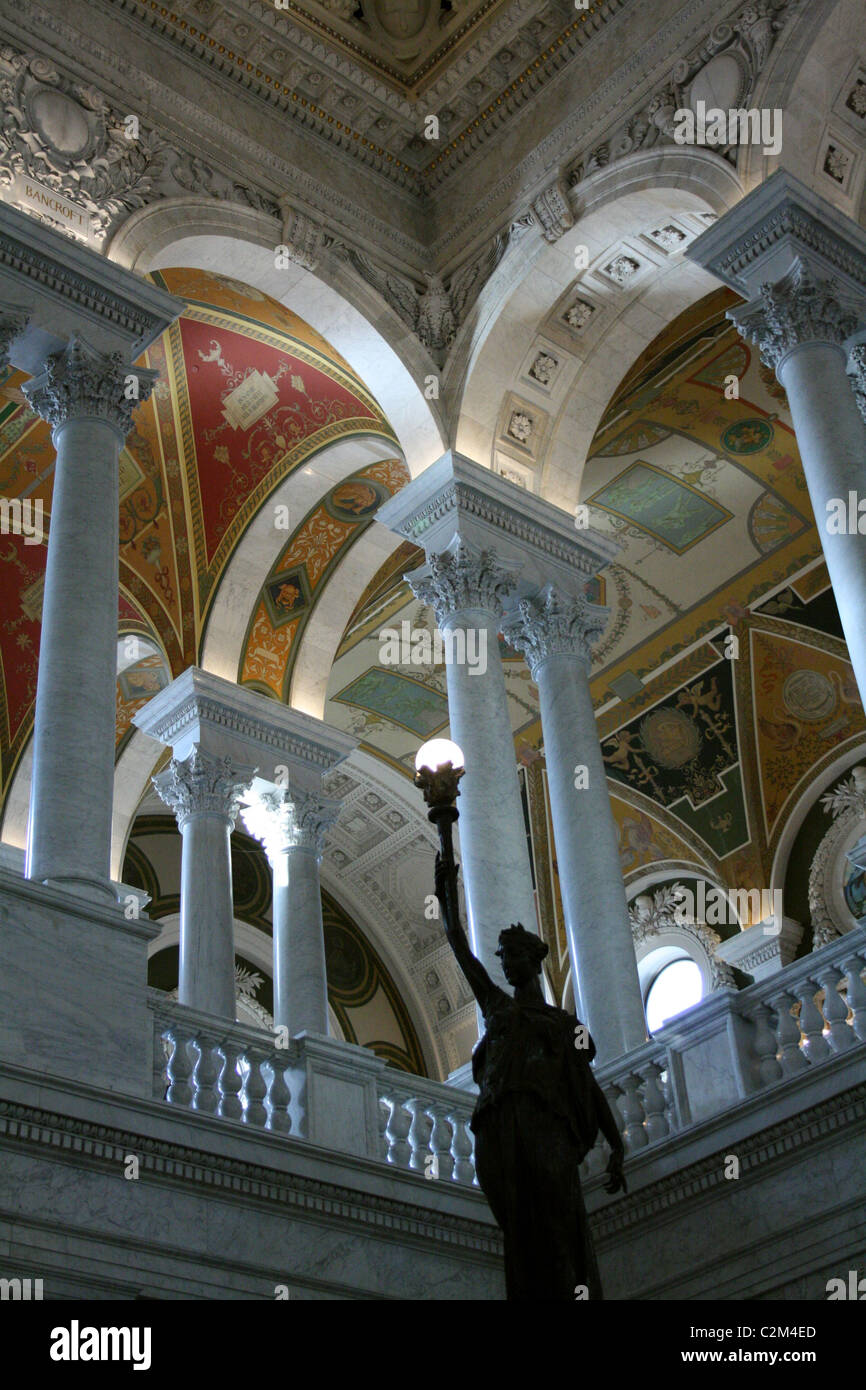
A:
[538, 1114]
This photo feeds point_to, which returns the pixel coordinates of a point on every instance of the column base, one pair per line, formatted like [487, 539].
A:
[94, 889]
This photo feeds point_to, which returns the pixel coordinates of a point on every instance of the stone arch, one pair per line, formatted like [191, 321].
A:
[616, 211]
[804, 77]
[812, 786]
[335, 300]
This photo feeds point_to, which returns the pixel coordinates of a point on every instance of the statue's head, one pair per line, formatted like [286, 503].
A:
[521, 953]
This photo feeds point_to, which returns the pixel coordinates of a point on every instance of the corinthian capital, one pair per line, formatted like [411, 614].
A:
[11, 325]
[554, 625]
[857, 374]
[461, 579]
[203, 785]
[80, 382]
[797, 309]
[284, 820]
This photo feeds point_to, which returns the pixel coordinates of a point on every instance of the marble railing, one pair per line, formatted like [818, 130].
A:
[739, 1043]
[730, 1047]
[426, 1128]
[216, 1068]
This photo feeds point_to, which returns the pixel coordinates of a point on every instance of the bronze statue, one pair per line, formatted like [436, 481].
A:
[538, 1114]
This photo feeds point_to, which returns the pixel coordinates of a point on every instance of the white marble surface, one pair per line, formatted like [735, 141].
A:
[72, 987]
[73, 737]
[493, 850]
[590, 872]
[831, 438]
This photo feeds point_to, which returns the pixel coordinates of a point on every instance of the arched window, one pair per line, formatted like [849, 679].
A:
[672, 983]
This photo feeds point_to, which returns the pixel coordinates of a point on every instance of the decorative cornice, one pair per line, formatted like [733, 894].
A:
[462, 579]
[60, 270]
[698, 1180]
[462, 499]
[203, 1171]
[781, 213]
[79, 383]
[198, 699]
[203, 785]
[798, 309]
[554, 624]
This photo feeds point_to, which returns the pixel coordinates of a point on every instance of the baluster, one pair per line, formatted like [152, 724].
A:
[230, 1081]
[161, 1054]
[857, 995]
[635, 1131]
[835, 1009]
[384, 1115]
[462, 1148]
[764, 1043]
[254, 1089]
[440, 1140]
[815, 1045]
[788, 1034]
[399, 1123]
[419, 1133]
[206, 1074]
[179, 1069]
[657, 1126]
[279, 1097]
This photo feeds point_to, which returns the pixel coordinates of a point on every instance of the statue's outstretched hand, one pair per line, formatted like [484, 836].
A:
[616, 1177]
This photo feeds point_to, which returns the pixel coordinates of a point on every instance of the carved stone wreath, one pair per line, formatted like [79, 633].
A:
[650, 916]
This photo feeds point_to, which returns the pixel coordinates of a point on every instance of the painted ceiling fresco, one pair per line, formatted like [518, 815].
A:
[247, 393]
[724, 639]
[288, 595]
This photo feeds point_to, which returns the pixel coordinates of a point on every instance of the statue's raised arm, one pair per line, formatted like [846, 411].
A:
[477, 978]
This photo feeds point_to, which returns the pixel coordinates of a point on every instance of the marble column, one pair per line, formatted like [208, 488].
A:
[88, 398]
[801, 323]
[292, 826]
[801, 266]
[204, 792]
[465, 587]
[555, 631]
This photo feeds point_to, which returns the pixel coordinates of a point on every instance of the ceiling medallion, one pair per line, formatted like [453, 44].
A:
[670, 737]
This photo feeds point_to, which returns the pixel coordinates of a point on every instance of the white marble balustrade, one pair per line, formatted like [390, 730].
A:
[219, 1068]
[426, 1129]
[732, 1046]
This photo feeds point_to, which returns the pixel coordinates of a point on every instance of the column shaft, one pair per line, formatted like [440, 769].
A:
[587, 851]
[204, 792]
[73, 740]
[300, 980]
[207, 953]
[88, 397]
[292, 825]
[493, 847]
[832, 443]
